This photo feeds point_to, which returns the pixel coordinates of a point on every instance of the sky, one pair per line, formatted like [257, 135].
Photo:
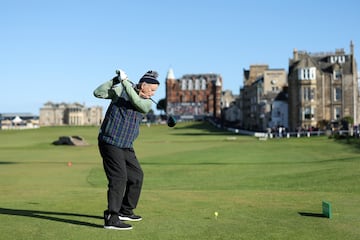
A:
[60, 51]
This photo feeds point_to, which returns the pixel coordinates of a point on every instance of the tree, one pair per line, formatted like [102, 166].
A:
[324, 124]
[347, 122]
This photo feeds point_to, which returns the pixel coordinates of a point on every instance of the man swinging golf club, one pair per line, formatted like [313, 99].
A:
[115, 140]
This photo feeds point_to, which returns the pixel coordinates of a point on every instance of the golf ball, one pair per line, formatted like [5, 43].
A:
[216, 214]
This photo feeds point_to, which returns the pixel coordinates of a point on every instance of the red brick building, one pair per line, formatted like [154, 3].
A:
[193, 95]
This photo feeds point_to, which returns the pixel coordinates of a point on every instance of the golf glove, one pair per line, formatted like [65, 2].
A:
[121, 75]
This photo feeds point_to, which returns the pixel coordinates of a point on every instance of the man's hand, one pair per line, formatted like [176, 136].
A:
[121, 76]
[143, 94]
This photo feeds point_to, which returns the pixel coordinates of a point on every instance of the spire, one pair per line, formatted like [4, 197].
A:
[170, 74]
[218, 82]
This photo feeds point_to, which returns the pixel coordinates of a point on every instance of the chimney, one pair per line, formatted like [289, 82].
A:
[295, 54]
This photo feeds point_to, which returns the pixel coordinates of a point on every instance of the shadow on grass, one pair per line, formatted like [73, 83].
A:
[7, 162]
[350, 141]
[307, 214]
[47, 216]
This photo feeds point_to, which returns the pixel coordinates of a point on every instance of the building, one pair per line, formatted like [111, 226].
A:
[323, 88]
[18, 121]
[75, 114]
[231, 113]
[227, 98]
[279, 111]
[261, 87]
[193, 95]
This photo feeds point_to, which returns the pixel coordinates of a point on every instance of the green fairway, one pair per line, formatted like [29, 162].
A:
[261, 189]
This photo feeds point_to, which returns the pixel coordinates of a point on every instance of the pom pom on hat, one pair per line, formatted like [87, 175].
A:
[150, 77]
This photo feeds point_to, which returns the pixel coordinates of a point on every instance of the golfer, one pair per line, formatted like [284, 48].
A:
[115, 140]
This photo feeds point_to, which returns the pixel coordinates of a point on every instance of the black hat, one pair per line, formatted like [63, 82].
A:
[150, 77]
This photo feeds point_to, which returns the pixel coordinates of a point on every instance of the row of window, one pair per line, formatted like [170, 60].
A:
[310, 74]
[308, 94]
[189, 84]
[307, 73]
[308, 113]
[338, 59]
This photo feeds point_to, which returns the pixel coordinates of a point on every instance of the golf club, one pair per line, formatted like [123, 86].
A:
[171, 121]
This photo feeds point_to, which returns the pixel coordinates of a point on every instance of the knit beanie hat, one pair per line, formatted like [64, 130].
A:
[150, 77]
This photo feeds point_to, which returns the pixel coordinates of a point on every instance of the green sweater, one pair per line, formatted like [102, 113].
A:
[108, 90]
[120, 127]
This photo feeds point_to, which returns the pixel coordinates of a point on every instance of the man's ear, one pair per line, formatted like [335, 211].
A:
[139, 86]
[143, 84]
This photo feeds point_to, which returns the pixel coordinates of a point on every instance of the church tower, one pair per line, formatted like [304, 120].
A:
[171, 88]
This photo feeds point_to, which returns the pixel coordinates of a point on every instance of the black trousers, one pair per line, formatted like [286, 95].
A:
[125, 178]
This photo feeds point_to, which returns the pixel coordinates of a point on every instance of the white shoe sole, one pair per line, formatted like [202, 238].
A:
[129, 219]
[117, 228]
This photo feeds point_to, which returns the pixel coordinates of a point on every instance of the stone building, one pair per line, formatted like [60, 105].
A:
[261, 87]
[57, 114]
[323, 88]
[193, 95]
[231, 113]
[227, 99]
[279, 111]
[18, 121]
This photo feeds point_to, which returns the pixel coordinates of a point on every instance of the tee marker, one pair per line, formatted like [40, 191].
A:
[326, 209]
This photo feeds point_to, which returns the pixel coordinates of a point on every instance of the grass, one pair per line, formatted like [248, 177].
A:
[261, 189]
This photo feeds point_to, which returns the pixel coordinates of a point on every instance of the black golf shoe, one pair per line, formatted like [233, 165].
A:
[133, 217]
[113, 222]
[125, 217]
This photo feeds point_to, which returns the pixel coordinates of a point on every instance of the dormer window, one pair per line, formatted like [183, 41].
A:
[333, 59]
[337, 59]
[341, 59]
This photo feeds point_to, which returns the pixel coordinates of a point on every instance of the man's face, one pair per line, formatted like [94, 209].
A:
[147, 90]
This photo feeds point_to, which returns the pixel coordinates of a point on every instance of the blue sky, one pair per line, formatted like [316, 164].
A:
[60, 51]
